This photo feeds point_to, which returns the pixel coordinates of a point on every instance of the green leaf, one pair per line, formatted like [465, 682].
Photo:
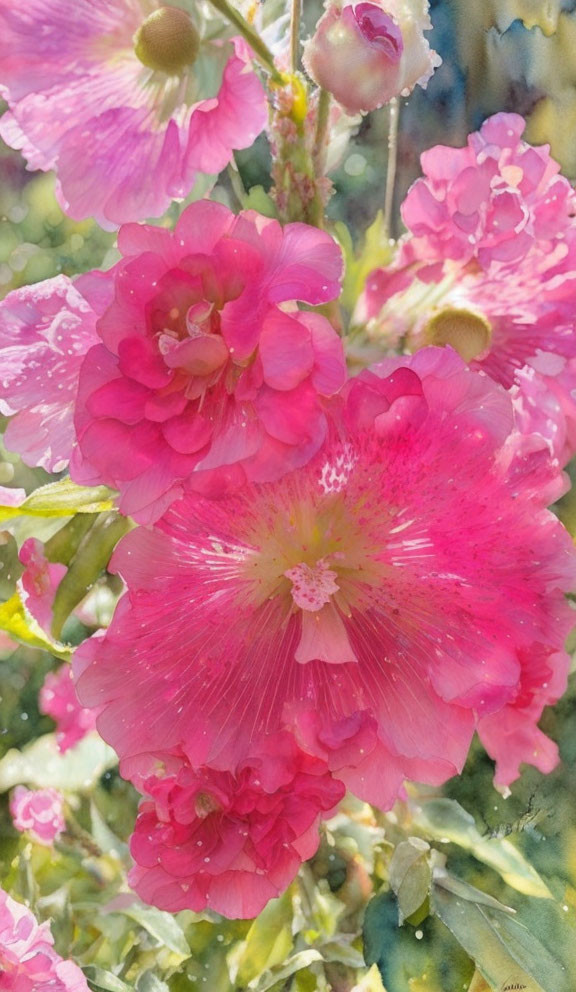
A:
[464, 891]
[61, 499]
[268, 941]
[446, 820]
[505, 952]
[104, 981]
[21, 625]
[149, 982]
[296, 963]
[371, 982]
[41, 765]
[375, 252]
[410, 875]
[91, 558]
[160, 925]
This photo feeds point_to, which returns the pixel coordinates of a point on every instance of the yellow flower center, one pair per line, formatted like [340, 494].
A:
[467, 332]
[167, 41]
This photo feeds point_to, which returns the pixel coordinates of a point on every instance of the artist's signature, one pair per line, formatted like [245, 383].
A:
[512, 985]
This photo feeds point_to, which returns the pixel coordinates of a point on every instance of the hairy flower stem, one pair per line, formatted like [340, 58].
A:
[393, 121]
[295, 19]
[261, 51]
[321, 136]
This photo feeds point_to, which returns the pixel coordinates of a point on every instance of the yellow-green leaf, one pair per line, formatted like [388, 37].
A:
[21, 625]
[446, 820]
[268, 942]
[61, 499]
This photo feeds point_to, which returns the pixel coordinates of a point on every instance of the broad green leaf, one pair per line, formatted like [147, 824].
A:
[268, 941]
[41, 765]
[104, 981]
[446, 820]
[160, 925]
[343, 952]
[21, 625]
[410, 875]
[298, 961]
[61, 499]
[505, 952]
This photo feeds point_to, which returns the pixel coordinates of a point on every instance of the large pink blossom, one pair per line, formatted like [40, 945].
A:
[494, 200]
[208, 374]
[45, 331]
[58, 699]
[129, 102]
[38, 811]
[28, 961]
[230, 841]
[376, 602]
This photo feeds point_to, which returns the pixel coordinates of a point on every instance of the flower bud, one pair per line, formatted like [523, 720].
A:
[367, 53]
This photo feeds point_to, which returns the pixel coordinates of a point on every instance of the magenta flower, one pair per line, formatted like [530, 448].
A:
[38, 811]
[28, 961]
[58, 699]
[126, 101]
[230, 842]
[208, 374]
[367, 53]
[376, 602]
[493, 201]
[45, 331]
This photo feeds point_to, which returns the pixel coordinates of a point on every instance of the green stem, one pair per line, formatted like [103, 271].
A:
[393, 120]
[260, 49]
[295, 34]
[321, 136]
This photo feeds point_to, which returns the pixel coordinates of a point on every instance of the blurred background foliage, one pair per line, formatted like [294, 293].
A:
[516, 55]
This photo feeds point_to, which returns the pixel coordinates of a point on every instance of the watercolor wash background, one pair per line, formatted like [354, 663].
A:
[498, 55]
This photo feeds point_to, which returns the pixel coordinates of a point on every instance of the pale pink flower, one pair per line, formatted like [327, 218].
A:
[230, 841]
[57, 698]
[498, 285]
[128, 102]
[38, 811]
[494, 200]
[28, 961]
[208, 374]
[45, 331]
[376, 602]
[367, 53]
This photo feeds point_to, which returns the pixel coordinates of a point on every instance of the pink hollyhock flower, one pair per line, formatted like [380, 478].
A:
[39, 581]
[39, 811]
[367, 53]
[503, 297]
[58, 699]
[377, 602]
[512, 736]
[28, 961]
[45, 331]
[230, 841]
[493, 201]
[129, 102]
[208, 374]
